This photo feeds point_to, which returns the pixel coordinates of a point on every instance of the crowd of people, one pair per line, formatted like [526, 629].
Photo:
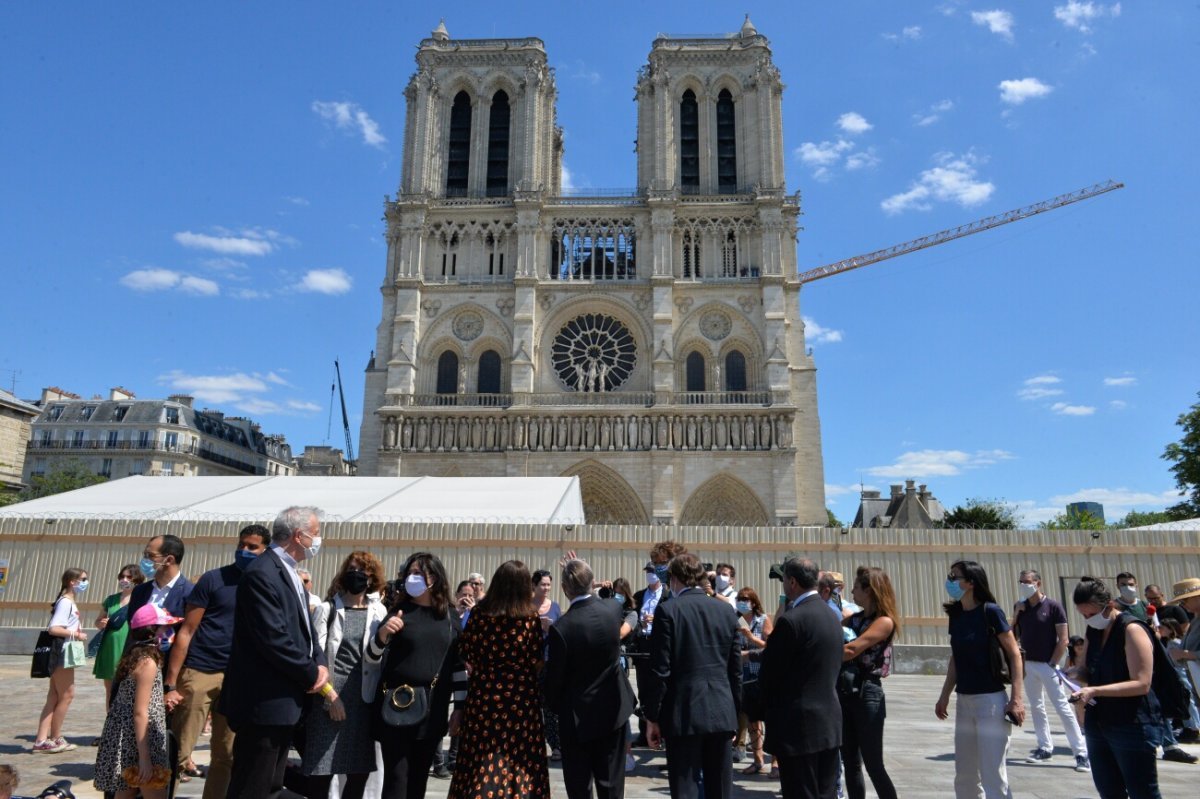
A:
[364, 681]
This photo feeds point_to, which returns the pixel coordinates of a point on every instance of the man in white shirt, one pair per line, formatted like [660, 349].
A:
[725, 585]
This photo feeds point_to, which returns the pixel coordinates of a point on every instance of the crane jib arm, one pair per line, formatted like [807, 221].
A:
[978, 226]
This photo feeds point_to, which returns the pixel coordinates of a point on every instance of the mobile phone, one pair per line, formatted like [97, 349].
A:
[1011, 718]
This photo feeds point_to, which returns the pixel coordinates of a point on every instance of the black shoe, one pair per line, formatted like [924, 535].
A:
[1188, 736]
[1177, 755]
[441, 772]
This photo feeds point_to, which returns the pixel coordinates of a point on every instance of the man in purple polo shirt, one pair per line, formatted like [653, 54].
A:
[1041, 626]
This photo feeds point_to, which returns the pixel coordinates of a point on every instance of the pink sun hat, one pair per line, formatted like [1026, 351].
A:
[151, 616]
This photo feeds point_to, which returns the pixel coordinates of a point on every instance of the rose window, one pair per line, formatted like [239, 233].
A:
[593, 352]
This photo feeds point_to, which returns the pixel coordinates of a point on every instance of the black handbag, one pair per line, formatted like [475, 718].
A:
[408, 705]
[997, 660]
[44, 651]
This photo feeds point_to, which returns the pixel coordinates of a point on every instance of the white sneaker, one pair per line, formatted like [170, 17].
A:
[630, 763]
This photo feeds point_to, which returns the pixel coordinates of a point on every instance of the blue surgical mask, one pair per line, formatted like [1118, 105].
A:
[81, 586]
[743, 607]
[661, 572]
[149, 568]
[163, 638]
[955, 590]
[243, 558]
[620, 598]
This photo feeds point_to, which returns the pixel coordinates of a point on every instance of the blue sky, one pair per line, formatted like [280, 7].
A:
[190, 201]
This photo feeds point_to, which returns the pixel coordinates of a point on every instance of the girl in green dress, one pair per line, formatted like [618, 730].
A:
[113, 623]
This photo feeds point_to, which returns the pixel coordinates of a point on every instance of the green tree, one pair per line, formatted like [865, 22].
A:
[1184, 456]
[1137, 518]
[8, 498]
[983, 514]
[65, 476]
[1073, 520]
[833, 520]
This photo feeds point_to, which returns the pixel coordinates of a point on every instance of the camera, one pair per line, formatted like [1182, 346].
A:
[59, 790]
[606, 592]
[708, 568]
[776, 572]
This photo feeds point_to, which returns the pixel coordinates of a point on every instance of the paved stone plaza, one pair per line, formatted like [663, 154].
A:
[919, 749]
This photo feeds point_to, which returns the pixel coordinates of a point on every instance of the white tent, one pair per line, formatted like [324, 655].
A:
[503, 500]
[1183, 524]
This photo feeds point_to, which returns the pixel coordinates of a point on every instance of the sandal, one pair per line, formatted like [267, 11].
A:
[754, 768]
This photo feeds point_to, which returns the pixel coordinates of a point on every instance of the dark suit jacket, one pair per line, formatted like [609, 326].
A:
[275, 652]
[585, 684]
[798, 677]
[174, 605]
[695, 681]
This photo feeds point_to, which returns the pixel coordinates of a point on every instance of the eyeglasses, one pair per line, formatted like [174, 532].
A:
[954, 578]
[473, 583]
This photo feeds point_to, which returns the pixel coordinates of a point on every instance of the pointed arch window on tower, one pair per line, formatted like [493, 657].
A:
[689, 142]
[735, 371]
[458, 155]
[691, 254]
[447, 373]
[729, 266]
[489, 373]
[726, 144]
[497, 164]
[694, 372]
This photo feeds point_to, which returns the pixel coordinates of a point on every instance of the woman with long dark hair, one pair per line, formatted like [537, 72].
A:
[338, 740]
[418, 647]
[860, 686]
[1123, 723]
[983, 711]
[502, 754]
[113, 626]
[754, 627]
[548, 612]
[64, 625]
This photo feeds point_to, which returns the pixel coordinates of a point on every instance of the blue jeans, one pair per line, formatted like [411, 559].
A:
[1124, 759]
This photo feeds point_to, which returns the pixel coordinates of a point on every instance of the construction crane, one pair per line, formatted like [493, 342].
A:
[345, 417]
[987, 223]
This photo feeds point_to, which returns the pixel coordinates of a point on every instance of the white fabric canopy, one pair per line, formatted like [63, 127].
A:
[1184, 524]
[504, 500]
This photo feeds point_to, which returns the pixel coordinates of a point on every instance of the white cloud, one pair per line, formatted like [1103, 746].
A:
[1063, 409]
[151, 280]
[863, 159]
[854, 123]
[350, 117]
[816, 334]
[939, 463]
[297, 200]
[997, 21]
[303, 405]
[1116, 501]
[214, 388]
[271, 377]
[325, 281]
[1118, 405]
[934, 114]
[250, 294]
[1120, 382]
[585, 73]
[1043, 380]
[1080, 16]
[225, 245]
[224, 264]
[1016, 92]
[568, 183]
[199, 285]
[911, 33]
[1038, 392]
[952, 180]
[823, 154]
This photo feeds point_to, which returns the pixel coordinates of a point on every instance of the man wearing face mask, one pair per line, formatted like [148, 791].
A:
[165, 586]
[276, 660]
[1041, 626]
[647, 601]
[1128, 600]
[725, 585]
[196, 666]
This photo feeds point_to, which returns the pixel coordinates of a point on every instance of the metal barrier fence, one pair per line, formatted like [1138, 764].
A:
[39, 550]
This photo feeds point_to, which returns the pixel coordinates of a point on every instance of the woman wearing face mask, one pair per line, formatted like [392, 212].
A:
[548, 613]
[338, 740]
[623, 593]
[64, 625]
[112, 622]
[417, 645]
[983, 712]
[755, 626]
[865, 664]
[1123, 721]
[133, 747]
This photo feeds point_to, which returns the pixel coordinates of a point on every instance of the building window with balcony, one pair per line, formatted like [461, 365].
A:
[497, 164]
[447, 373]
[112, 439]
[726, 144]
[689, 142]
[489, 373]
[694, 372]
[458, 153]
[143, 439]
[171, 441]
[46, 438]
[77, 439]
[735, 371]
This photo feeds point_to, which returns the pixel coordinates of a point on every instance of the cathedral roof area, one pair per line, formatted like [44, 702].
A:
[746, 36]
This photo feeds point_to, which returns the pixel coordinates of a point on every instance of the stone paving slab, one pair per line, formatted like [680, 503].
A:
[920, 749]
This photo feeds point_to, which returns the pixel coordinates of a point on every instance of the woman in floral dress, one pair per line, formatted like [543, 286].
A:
[503, 750]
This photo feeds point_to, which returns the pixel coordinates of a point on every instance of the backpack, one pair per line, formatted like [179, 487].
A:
[1174, 697]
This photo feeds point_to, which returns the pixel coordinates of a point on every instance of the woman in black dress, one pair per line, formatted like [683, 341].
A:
[418, 646]
[503, 750]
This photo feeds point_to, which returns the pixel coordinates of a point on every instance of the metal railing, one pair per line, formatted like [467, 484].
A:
[577, 398]
[457, 400]
[645, 399]
[764, 398]
[148, 446]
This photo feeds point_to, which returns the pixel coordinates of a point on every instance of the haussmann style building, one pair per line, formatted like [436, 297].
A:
[648, 340]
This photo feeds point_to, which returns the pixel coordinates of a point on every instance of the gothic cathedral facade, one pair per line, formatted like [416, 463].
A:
[648, 341]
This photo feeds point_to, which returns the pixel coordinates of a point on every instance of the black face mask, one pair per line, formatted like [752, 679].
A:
[354, 581]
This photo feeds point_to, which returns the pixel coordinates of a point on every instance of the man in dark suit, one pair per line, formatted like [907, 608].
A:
[588, 690]
[275, 662]
[695, 684]
[165, 586]
[799, 676]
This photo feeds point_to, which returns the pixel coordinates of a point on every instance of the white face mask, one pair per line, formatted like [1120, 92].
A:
[1027, 590]
[651, 579]
[414, 585]
[313, 548]
[1098, 622]
[722, 582]
[1129, 593]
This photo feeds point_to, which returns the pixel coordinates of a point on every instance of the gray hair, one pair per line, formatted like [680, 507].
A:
[803, 571]
[576, 578]
[1031, 573]
[293, 520]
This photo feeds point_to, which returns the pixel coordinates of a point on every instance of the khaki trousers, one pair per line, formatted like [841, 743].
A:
[201, 694]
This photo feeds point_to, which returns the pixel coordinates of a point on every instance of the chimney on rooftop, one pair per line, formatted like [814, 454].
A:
[182, 399]
[870, 494]
[117, 393]
[910, 486]
[896, 490]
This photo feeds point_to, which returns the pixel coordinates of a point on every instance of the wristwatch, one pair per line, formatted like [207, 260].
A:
[167, 688]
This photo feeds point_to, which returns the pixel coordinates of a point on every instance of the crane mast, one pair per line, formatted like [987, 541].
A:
[345, 417]
[978, 226]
